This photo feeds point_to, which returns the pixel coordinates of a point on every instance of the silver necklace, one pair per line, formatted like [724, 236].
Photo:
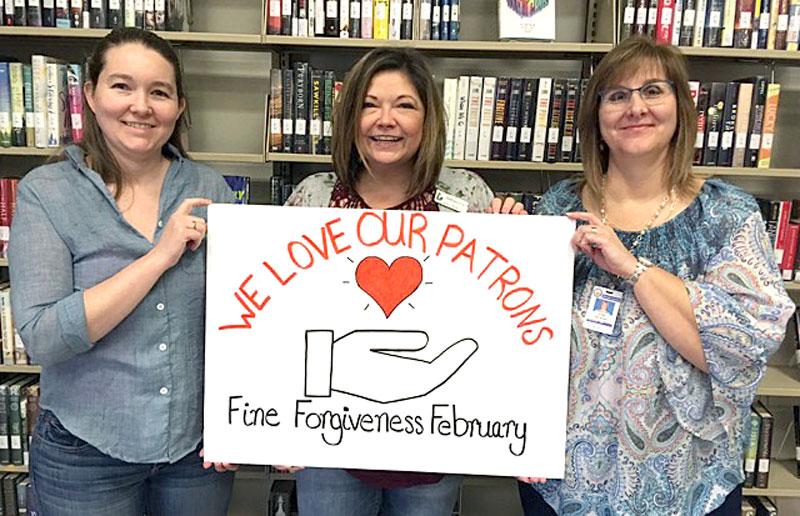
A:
[670, 196]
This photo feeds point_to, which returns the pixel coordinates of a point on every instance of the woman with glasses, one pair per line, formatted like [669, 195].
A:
[660, 390]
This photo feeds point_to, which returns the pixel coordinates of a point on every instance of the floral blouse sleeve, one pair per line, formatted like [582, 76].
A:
[741, 308]
[466, 185]
[313, 191]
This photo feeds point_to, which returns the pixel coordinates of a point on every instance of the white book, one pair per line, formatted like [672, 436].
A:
[459, 140]
[17, 95]
[7, 324]
[676, 22]
[699, 23]
[39, 77]
[395, 18]
[423, 20]
[473, 117]
[487, 116]
[57, 105]
[319, 18]
[130, 13]
[366, 19]
[344, 18]
[540, 122]
[311, 25]
[450, 107]
[728, 19]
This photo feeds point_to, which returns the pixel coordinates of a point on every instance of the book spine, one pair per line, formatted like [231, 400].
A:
[640, 25]
[311, 14]
[542, 115]
[763, 24]
[317, 105]
[450, 96]
[139, 13]
[129, 15]
[676, 22]
[5, 230]
[5, 448]
[796, 412]
[768, 126]
[426, 20]
[75, 83]
[367, 13]
[764, 447]
[652, 18]
[344, 19]
[789, 251]
[743, 26]
[98, 14]
[407, 20]
[473, 117]
[17, 104]
[286, 17]
[782, 25]
[716, 105]
[275, 110]
[53, 117]
[459, 139]
[455, 23]
[742, 119]
[756, 122]
[751, 451]
[628, 19]
[48, 13]
[14, 425]
[568, 125]
[39, 68]
[33, 13]
[526, 121]
[62, 14]
[784, 210]
[713, 30]
[728, 129]
[395, 18]
[728, 22]
[444, 23]
[300, 144]
[554, 124]
[487, 117]
[5, 107]
[380, 19]
[116, 15]
[161, 14]
[773, 24]
[687, 23]
[793, 33]
[288, 110]
[327, 114]
[700, 23]
[274, 17]
[576, 156]
[30, 115]
[513, 119]
[295, 19]
[20, 17]
[497, 151]
[663, 31]
[355, 19]
[149, 14]
[702, 112]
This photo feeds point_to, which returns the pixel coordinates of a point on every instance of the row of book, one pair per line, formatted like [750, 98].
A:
[758, 506]
[512, 119]
[17, 497]
[367, 19]
[12, 350]
[782, 219]
[19, 411]
[768, 24]
[41, 103]
[735, 122]
[758, 451]
[280, 188]
[97, 14]
[301, 109]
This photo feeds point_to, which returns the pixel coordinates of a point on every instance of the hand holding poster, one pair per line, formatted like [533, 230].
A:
[388, 340]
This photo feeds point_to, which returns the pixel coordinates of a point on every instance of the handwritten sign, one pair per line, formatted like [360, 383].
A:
[388, 340]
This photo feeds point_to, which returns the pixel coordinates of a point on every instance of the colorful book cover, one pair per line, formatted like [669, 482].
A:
[527, 19]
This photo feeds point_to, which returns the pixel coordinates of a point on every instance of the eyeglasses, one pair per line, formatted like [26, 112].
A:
[651, 93]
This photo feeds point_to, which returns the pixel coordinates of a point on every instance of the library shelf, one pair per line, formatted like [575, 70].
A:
[232, 157]
[14, 368]
[781, 381]
[782, 56]
[13, 468]
[212, 39]
[783, 480]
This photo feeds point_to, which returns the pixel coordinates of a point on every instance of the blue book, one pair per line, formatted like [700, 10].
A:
[454, 17]
[5, 106]
[240, 185]
[444, 24]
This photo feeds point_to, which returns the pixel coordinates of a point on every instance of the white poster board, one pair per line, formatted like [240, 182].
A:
[388, 340]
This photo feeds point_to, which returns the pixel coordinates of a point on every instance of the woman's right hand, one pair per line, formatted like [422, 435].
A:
[183, 230]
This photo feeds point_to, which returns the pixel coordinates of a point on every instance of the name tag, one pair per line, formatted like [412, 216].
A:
[450, 202]
[601, 314]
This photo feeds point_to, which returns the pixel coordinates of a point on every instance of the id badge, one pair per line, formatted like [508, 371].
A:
[603, 309]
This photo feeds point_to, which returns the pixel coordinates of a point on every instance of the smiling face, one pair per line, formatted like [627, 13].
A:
[392, 117]
[638, 128]
[135, 101]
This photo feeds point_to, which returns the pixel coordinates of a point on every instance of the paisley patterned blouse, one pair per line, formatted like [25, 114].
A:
[647, 432]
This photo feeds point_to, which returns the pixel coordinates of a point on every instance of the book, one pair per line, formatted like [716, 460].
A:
[789, 251]
[542, 113]
[240, 186]
[281, 498]
[287, 110]
[568, 129]
[663, 31]
[274, 17]
[395, 19]
[687, 23]
[677, 15]
[380, 19]
[10, 493]
[473, 117]
[555, 120]
[31, 408]
[713, 120]
[628, 13]
[751, 450]
[764, 506]
[526, 20]
[713, 26]
[355, 19]
[455, 23]
[773, 24]
[367, 11]
[39, 79]
[728, 125]
[700, 23]
[782, 223]
[763, 24]
[424, 18]
[5, 445]
[768, 125]
[743, 24]
[782, 25]
[450, 97]
[764, 445]
[444, 24]
[58, 130]
[652, 18]
[497, 149]
[15, 432]
[407, 19]
[317, 91]
[728, 23]
[33, 13]
[48, 13]
[6, 318]
[487, 118]
[702, 111]
[275, 110]
[793, 32]
[344, 19]
[5, 106]
[30, 114]
[526, 120]
[139, 13]
[460, 135]
[756, 121]
[160, 14]
[75, 100]
[329, 81]
[640, 25]
[97, 15]
[62, 14]
[301, 112]
[743, 103]
[514, 108]
[20, 17]
[576, 155]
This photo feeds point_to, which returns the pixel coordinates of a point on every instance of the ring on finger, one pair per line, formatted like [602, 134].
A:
[194, 224]
[593, 229]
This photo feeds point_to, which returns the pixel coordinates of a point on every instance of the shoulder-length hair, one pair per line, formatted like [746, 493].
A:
[348, 162]
[626, 59]
[93, 143]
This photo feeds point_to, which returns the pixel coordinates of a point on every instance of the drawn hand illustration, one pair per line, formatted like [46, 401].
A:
[380, 365]
[389, 285]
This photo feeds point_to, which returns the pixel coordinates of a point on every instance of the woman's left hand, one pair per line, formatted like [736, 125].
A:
[599, 242]
[509, 205]
[221, 467]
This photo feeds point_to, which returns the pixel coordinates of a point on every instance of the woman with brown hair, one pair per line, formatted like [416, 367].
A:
[110, 302]
[660, 396]
[388, 151]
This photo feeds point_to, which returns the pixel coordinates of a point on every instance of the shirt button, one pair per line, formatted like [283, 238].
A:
[162, 347]
[160, 306]
[164, 391]
[161, 223]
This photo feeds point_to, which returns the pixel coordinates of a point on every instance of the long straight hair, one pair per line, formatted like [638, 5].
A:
[348, 160]
[94, 143]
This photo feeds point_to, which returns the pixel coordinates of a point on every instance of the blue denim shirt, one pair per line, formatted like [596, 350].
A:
[137, 393]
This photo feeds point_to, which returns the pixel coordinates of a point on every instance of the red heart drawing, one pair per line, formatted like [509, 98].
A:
[389, 285]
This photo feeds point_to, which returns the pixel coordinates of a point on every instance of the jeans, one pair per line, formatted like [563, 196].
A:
[334, 492]
[534, 505]
[73, 478]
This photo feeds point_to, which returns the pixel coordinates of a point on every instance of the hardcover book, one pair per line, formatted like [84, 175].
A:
[527, 19]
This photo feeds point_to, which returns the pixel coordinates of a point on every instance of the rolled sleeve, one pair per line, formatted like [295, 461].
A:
[48, 311]
[741, 309]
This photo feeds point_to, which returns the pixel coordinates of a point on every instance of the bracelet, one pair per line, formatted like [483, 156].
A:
[642, 264]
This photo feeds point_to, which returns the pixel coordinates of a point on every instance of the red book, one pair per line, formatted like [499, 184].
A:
[274, 17]
[664, 21]
[790, 251]
[783, 226]
[5, 215]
